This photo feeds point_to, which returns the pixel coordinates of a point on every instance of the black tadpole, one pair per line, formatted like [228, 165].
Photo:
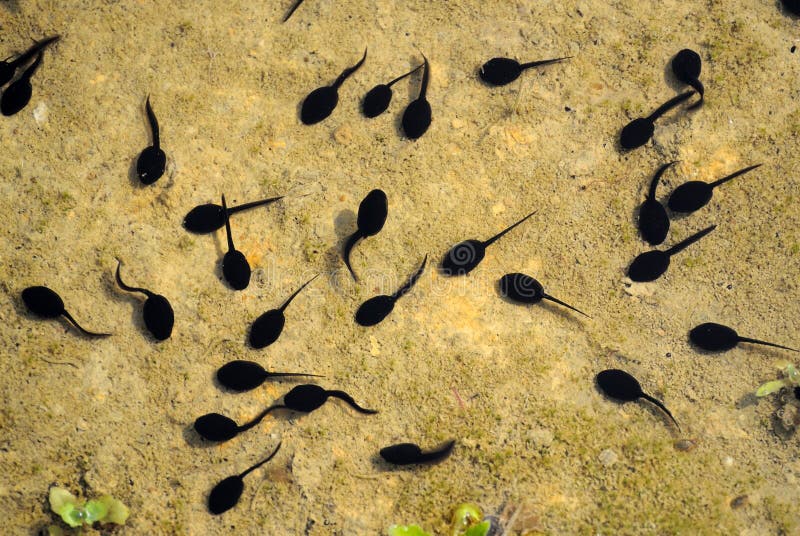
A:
[502, 71]
[639, 131]
[45, 303]
[9, 68]
[792, 6]
[714, 337]
[157, 312]
[377, 99]
[18, 94]
[375, 309]
[240, 375]
[320, 103]
[372, 214]
[209, 217]
[686, 66]
[462, 258]
[227, 493]
[152, 161]
[694, 195]
[651, 265]
[235, 268]
[622, 386]
[525, 289]
[268, 327]
[653, 220]
[308, 397]
[410, 453]
[417, 115]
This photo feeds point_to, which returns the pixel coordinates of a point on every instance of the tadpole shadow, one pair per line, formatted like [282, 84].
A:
[193, 439]
[747, 400]
[344, 225]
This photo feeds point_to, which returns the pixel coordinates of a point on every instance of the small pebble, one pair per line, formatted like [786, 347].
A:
[608, 457]
[727, 461]
[738, 502]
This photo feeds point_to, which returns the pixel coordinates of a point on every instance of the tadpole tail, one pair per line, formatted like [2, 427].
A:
[409, 73]
[423, 87]
[231, 247]
[260, 417]
[765, 343]
[125, 287]
[352, 240]
[733, 175]
[350, 70]
[262, 462]
[651, 194]
[253, 204]
[84, 331]
[499, 235]
[35, 49]
[296, 292]
[439, 453]
[292, 10]
[658, 403]
[411, 280]
[530, 64]
[698, 86]
[341, 395]
[670, 104]
[568, 306]
[151, 118]
[680, 246]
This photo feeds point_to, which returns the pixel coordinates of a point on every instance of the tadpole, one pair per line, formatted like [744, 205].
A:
[714, 337]
[525, 289]
[372, 214]
[152, 161]
[9, 68]
[694, 195]
[410, 453]
[320, 103]
[686, 66]
[417, 115]
[653, 219]
[45, 303]
[640, 130]
[462, 258]
[622, 386]
[377, 99]
[240, 375]
[227, 493]
[235, 268]
[209, 217]
[502, 71]
[268, 327]
[651, 265]
[157, 311]
[18, 94]
[375, 309]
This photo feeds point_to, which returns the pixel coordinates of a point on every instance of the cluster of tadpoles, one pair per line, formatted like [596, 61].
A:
[686, 67]
[18, 93]
[320, 103]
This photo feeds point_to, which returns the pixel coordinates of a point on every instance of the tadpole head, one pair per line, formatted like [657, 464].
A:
[376, 101]
[43, 302]
[653, 222]
[204, 219]
[619, 384]
[416, 118]
[372, 213]
[500, 71]
[401, 454]
[462, 258]
[151, 165]
[636, 133]
[521, 288]
[690, 196]
[305, 398]
[216, 427]
[266, 329]
[648, 266]
[241, 375]
[225, 495]
[236, 269]
[713, 337]
[374, 310]
[159, 317]
[318, 105]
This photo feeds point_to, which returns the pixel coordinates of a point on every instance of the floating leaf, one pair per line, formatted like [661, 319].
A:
[770, 387]
[117, 512]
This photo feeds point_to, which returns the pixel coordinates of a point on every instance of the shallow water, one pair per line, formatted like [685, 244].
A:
[514, 385]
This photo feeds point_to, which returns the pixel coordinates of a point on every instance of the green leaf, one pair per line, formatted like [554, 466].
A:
[407, 530]
[95, 511]
[117, 512]
[60, 499]
[481, 529]
[770, 387]
[72, 515]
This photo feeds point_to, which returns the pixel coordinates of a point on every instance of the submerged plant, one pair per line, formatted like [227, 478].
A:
[791, 379]
[75, 512]
[468, 520]
[407, 530]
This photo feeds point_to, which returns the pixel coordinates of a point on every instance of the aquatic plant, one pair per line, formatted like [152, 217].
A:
[75, 512]
[791, 379]
[407, 530]
[468, 520]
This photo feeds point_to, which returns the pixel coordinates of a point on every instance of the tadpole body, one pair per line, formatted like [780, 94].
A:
[45, 303]
[714, 337]
[375, 309]
[620, 385]
[157, 312]
[321, 102]
[651, 265]
[653, 221]
[226, 494]
[410, 453]
[372, 213]
[465, 256]
[502, 71]
[268, 327]
[639, 131]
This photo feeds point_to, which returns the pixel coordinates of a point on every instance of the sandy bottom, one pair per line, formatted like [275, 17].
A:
[513, 385]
